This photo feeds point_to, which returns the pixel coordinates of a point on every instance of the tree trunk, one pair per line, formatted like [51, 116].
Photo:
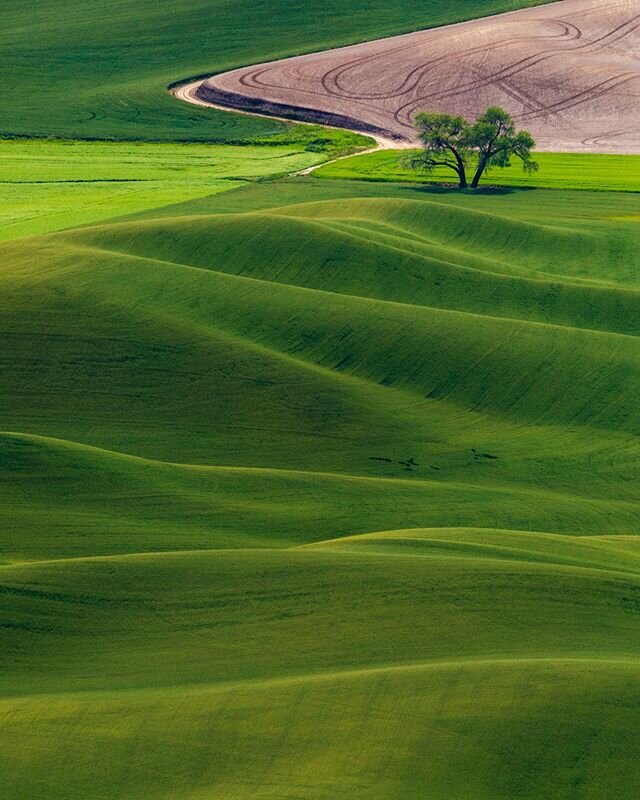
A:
[462, 172]
[482, 165]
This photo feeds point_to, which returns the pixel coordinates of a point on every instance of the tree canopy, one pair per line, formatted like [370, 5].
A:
[452, 142]
[445, 144]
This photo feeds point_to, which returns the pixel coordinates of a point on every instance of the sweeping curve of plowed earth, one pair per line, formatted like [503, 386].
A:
[569, 72]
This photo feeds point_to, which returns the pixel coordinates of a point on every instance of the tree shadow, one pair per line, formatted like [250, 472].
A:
[450, 188]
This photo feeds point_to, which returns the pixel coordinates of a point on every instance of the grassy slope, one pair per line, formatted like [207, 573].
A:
[217, 577]
[78, 70]
[50, 185]
[251, 674]
[218, 574]
[557, 171]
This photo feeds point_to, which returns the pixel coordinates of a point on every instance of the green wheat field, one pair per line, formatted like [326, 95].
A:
[310, 489]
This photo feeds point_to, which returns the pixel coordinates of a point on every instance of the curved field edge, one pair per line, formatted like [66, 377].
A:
[104, 75]
[554, 85]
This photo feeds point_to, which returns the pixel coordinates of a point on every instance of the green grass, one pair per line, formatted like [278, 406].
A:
[323, 489]
[101, 71]
[50, 185]
[310, 489]
[557, 171]
[246, 674]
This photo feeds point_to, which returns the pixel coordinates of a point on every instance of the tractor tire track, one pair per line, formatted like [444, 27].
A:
[568, 69]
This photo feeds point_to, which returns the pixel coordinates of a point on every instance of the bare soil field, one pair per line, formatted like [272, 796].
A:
[569, 72]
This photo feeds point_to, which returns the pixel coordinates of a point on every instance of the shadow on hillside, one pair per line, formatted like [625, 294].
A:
[449, 188]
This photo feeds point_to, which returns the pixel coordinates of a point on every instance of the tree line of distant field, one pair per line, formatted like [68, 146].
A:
[453, 142]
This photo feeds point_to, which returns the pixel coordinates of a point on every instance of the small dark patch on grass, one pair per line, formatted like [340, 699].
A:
[477, 455]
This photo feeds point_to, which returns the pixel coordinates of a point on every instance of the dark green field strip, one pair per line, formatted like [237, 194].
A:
[455, 728]
[199, 672]
[247, 673]
[102, 71]
[365, 257]
[173, 619]
[615, 553]
[393, 344]
[300, 399]
[62, 500]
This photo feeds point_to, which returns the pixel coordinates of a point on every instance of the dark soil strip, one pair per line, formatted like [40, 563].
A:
[241, 102]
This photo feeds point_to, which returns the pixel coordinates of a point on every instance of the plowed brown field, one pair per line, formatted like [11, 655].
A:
[569, 72]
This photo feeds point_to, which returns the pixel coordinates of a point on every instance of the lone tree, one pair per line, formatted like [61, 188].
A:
[445, 144]
[494, 139]
[452, 142]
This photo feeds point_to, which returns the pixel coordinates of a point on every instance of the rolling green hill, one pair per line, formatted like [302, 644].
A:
[73, 69]
[323, 489]
[309, 490]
